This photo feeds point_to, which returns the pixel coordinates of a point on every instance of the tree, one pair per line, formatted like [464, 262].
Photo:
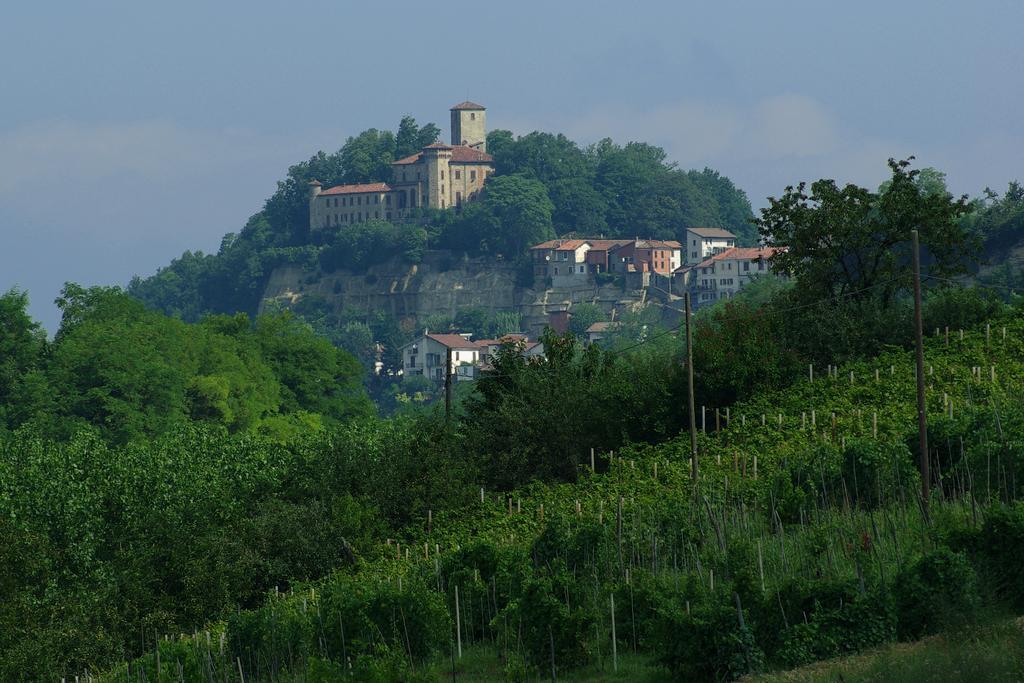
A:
[583, 316]
[543, 156]
[410, 138]
[514, 214]
[851, 242]
[579, 208]
[367, 157]
[22, 349]
[499, 141]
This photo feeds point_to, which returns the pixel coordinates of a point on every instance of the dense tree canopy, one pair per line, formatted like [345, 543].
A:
[851, 242]
[132, 373]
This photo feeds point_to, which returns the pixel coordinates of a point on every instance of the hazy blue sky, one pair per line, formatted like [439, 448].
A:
[132, 131]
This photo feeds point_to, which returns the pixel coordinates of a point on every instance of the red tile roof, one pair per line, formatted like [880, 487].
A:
[453, 341]
[468, 105]
[606, 245]
[356, 189]
[461, 154]
[600, 245]
[600, 327]
[411, 159]
[560, 245]
[741, 254]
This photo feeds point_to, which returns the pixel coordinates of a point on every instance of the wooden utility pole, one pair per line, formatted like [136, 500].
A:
[448, 384]
[689, 380]
[922, 418]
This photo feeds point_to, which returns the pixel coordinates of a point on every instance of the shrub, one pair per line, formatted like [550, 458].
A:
[938, 590]
[705, 645]
[1000, 547]
[549, 627]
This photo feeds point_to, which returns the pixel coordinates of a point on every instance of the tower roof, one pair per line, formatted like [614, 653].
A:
[468, 105]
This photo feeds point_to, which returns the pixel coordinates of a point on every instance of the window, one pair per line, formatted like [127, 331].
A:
[359, 200]
[376, 199]
[442, 175]
[746, 266]
[695, 243]
[458, 174]
[376, 214]
[472, 176]
[458, 199]
[403, 176]
[472, 116]
[581, 269]
[387, 199]
[760, 265]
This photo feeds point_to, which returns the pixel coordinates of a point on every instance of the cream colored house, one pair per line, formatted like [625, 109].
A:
[726, 273]
[439, 176]
[427, 355]
[704, 242]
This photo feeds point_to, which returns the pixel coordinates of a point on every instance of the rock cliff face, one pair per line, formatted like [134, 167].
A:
[442, 285]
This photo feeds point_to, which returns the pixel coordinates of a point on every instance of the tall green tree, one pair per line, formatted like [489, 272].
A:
[22, 355]
[851, 242]
[411, 138]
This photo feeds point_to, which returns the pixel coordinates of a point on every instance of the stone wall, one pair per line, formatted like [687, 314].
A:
[441, 284]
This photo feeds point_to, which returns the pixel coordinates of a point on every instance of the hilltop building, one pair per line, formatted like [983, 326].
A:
[723, 275]
[704, 242]
[570, 262]
[438, 177]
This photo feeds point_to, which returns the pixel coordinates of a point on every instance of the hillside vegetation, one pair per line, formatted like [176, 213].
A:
[544, 186]
[806, 540]
[217, 501]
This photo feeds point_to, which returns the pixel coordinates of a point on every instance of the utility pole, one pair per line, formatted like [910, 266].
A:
[689, 373]
[922, 418]
[448, 385]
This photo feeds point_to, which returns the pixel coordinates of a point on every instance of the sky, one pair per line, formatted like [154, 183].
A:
[133, 131]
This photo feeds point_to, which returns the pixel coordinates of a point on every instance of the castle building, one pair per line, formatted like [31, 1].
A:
[439, 176]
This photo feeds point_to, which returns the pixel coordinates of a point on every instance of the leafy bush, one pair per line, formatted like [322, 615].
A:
[548, 627]
[1001, 547]
[706, 644]
[838, 621]
[938, 590]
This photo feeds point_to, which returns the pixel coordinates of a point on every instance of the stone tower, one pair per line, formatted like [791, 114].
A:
[469, 125]
[437, 193]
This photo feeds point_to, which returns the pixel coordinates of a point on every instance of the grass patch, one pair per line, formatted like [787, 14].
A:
[990, 653]
[483, 665]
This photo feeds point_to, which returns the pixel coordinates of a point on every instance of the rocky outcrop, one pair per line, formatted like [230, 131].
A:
[440, 284]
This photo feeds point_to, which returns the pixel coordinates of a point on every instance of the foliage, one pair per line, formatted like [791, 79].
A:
[937, 591]
[851, 242]
[357, 247]
[583, 316]
[706, 644]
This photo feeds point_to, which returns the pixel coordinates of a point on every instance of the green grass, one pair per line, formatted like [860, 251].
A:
[982, 654]
[483, 665]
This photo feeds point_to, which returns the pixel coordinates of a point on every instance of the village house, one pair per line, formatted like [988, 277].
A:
[427, 355]
[645, 256]
[438, 177]
[489, 347]
[723, 275]
[704, 242]
[571, 262]
[599, 331]
[563, 261]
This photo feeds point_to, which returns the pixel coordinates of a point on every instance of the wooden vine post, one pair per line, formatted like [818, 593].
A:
[448, 385]
[922, 418]
[689, 381]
